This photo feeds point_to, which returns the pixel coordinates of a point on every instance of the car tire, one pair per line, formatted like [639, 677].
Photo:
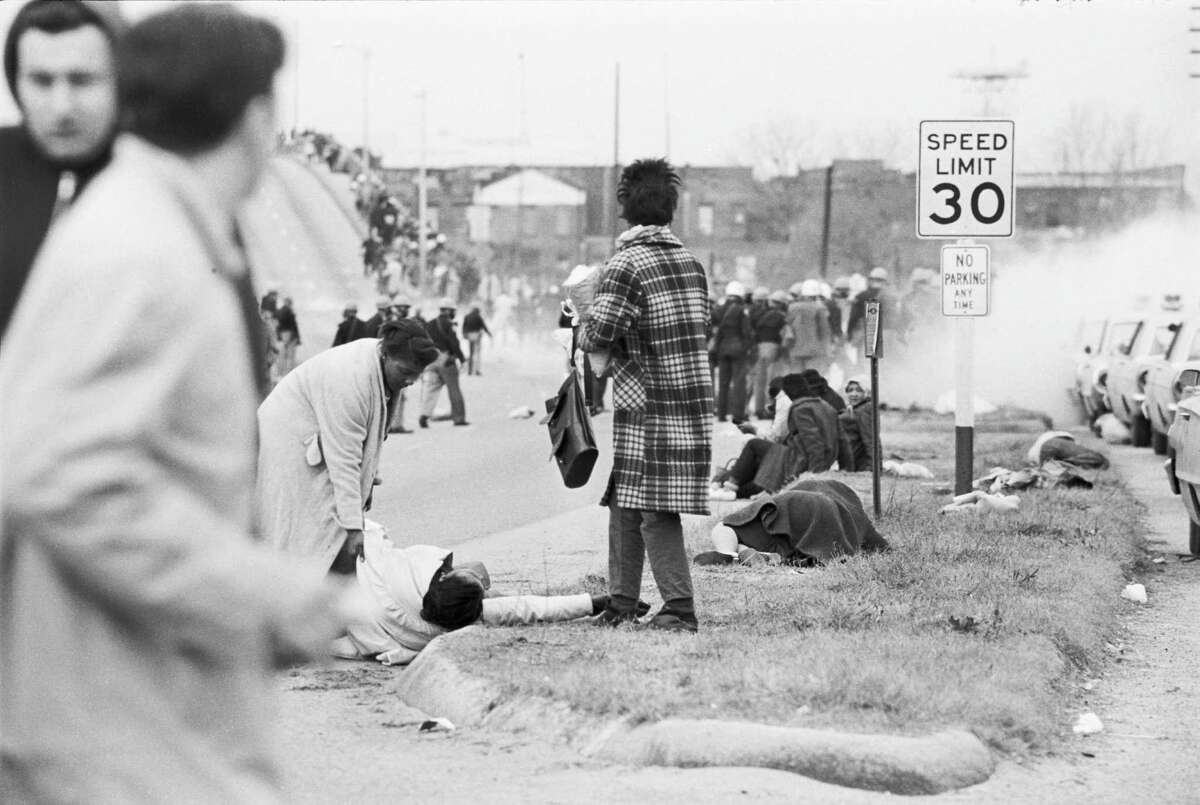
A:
[1194, 537]
[1140, 431]
[1158, 442]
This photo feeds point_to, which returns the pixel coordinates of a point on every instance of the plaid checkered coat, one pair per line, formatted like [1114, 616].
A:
[651, 310]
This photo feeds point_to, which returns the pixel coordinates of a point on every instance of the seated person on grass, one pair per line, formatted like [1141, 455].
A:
[809, 523]
[419, 593]
[858, 424]
[812, 443]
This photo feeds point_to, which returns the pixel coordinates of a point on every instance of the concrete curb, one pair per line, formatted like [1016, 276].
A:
[900, 765]
[435, 684]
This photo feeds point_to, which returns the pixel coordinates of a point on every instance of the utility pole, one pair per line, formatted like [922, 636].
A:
[825, 221]
[422, 205]
[666, 110]
[616, 150]
[990, 83]
[519, 156]
[295, 47]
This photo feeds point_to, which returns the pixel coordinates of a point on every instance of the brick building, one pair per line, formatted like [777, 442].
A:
[540, 220]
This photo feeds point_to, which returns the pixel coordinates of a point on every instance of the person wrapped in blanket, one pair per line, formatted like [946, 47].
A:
[809, 523]
[805, 436]
[419, 593]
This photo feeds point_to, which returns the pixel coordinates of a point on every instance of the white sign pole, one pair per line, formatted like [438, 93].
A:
[964, 404]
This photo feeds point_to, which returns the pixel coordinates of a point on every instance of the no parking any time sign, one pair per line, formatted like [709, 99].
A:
[965, 179]
[966, 280]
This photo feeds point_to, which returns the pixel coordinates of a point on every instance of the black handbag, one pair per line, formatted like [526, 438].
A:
[572, 441]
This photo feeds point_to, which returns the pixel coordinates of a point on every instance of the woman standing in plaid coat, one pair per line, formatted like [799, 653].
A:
[651, 312]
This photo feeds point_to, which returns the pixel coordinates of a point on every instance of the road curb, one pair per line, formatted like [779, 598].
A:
[933, 764]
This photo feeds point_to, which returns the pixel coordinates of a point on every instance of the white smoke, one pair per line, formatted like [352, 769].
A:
[1026, 348]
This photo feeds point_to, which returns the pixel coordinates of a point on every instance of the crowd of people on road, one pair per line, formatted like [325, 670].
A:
[758, 334]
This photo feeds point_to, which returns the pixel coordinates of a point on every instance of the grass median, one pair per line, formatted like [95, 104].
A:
[984, 622]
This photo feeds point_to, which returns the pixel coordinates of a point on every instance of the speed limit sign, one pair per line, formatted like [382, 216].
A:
[965, 179]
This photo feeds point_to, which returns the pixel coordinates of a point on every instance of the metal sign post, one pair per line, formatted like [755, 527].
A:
[965, 190]
[873, 349]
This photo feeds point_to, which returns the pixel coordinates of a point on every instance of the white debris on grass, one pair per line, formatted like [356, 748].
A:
[436, 725]
[520, 412]
[981, 502]
[1088, 724]
[1135, 593]
[907, 469]
[1113, 430]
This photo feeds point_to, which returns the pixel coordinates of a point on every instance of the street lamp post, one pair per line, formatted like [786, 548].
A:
[422, 204]
[365, 52]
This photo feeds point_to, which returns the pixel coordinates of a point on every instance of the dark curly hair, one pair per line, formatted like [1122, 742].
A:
[648, 192]
[407, 339]
[452, 602]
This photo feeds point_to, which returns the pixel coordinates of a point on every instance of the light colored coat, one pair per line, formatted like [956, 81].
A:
[321, 432]
[398, 578]
[137, 617]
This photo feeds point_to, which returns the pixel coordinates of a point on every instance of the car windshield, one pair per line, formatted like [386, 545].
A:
[1164, 337]
[1121, 335]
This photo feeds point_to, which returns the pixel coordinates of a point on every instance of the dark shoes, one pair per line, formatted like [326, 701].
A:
[615, 617]
[712, 558]
[461, 424]
[400, 430]
[671, 622]
[423, 421]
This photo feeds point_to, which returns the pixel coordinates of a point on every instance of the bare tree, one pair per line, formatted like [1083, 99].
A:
[1099, 140]
[781, 146]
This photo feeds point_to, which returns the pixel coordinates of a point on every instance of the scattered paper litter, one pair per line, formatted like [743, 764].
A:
[1134, 592]
[1088, 724]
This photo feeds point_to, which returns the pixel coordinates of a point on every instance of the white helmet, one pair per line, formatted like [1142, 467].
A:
[878, 273]
[810, 288]
[735, 288]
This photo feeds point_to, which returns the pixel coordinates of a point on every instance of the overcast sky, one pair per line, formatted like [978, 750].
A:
[846, 77]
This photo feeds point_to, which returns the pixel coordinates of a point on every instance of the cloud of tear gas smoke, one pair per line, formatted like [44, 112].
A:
[1026, 349]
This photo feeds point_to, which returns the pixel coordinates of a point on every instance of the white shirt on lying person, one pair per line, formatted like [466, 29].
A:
[397, 580]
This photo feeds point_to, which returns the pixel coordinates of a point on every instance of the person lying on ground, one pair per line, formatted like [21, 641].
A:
[813, 442]
[419, 593]
[858, 425]
[810, 523]
[1061, 445]
[321, 432]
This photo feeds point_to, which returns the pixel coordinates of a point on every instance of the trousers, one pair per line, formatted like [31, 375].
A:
[442, 372]
[633, 535]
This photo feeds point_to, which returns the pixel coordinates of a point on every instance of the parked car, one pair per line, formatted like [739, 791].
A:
[1130, 361]
[1163, 386]
[1183, 454]
[1091, 339]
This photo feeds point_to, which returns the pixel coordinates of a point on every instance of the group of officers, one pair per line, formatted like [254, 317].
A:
[759, 334]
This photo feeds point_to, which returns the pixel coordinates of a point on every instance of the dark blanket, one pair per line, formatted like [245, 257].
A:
[1066, 450]
[816, 520]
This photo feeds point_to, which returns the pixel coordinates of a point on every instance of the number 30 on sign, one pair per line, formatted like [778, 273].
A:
[965, 179]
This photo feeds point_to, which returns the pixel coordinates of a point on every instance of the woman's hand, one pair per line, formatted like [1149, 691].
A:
[354, 543]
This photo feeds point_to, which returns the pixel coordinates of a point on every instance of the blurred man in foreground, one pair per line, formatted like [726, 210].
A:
[58, 60]
[138, 620]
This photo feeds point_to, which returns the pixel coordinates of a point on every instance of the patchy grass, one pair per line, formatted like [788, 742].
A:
[981, 622]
